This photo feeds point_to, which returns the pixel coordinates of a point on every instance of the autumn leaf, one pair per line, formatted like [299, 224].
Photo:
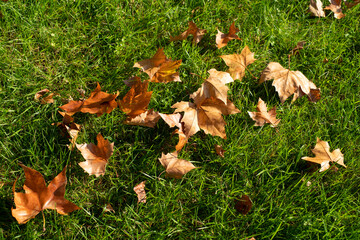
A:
[136, 100]
[146, 119]
[193, 30]
[335, 7]
[219, 150]
[96, 156]
[316, 8]
[39, 96]
[38, 197]
[68, 128]
[288, 82]
[140, 192]
[351, 4]
[323, 155]
[237, 63]
[263, 116]
[207, 116]
[243, 205]
[175, 168]
[98, 103]
[174, 120]
[222, 39]
[299, 46]
[214, 86]
[159, 68]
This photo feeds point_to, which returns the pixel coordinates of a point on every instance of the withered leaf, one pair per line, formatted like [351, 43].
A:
[207, 116]
[193, 30]
[140, 192]
[288, 82]
[323, 155]
[68, 127]
[237, 63]
[214, 86]
[38, 197]
[175, 168]
[222, 39]
[146, 119]
[174, 120]
[39, 96]
[335, 7]
[109, 208]
[96, 156]
[263, 116]
[98, 103]
[351, 4]
[299, 46]
[136, 100]
[243, 205]
[316, 8]
[159, 68]
[219, 150]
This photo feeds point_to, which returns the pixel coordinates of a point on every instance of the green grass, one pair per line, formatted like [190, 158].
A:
[67, 45]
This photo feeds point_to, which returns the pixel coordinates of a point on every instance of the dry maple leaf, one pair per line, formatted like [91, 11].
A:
[175, 168]
[299, 46]
[98, 103]
[159, 68]
[96, 156]
[237, 63]
[323, 155]
[214, 86]
[207, 116]
[288, 82]
[243, 205]
[335, 7]
[146, 119]
[263, 116]
[39, 96]
[316, 8]
[174, 120]
[222, 39]
[38, 197]
[193, 30]
[140, 192]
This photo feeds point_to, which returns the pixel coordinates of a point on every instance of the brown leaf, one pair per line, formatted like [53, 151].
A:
[219, 150]
[174, 120]
[38, 197]
[136, 100]
[222, 39]
[68, 128]
[335, 7]
[96, 156]
[193, 30]
[243, 205]
[316, 8]
[299, 46]
[146, 119]
[140, 192]
[207, 116]
[175, 168]
[159, 68]
[214, 86]
[39, 96]
[109, 208]
[323, 155]
[288, 82]
[237, 63]
[98, 103]
[263, 116]
[351, 4]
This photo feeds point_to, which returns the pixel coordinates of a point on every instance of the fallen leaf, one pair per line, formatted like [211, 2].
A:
[96, 156]
[299, 46]
[222, 39]
[140, 192]
[175, 168]
[288, 82]
[68, 127]
[219, 150]
[98, 103]
[335, 7]
[263, 116]
[38, 197]
[174, 120]
[136, 100]
[159, 68]
[197, 33]
[316, 8]
[207, 116]
[39, 96]
[351, 4]
[237, 63]
[109, 208]
[243, 205]
[214, 86]
[323, 155]
[146, 119]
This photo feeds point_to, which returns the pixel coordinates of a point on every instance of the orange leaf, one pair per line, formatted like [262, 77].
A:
[263, 116]
[146, 119]
[335, 7]
[193, 30]
[222, 39]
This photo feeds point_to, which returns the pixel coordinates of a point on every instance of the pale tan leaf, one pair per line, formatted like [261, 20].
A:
[316, 8]
[263, 116]
[175, 168]
[146, 119]
[140, 192]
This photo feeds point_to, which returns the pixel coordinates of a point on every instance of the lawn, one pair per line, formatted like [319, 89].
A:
[69, 45]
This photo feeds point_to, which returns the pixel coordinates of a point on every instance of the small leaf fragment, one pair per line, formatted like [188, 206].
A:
[140, 192]
[223, 39]
[316, 8]
[263, 116]
[193, 30]
[219, 150]
[243, 205]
